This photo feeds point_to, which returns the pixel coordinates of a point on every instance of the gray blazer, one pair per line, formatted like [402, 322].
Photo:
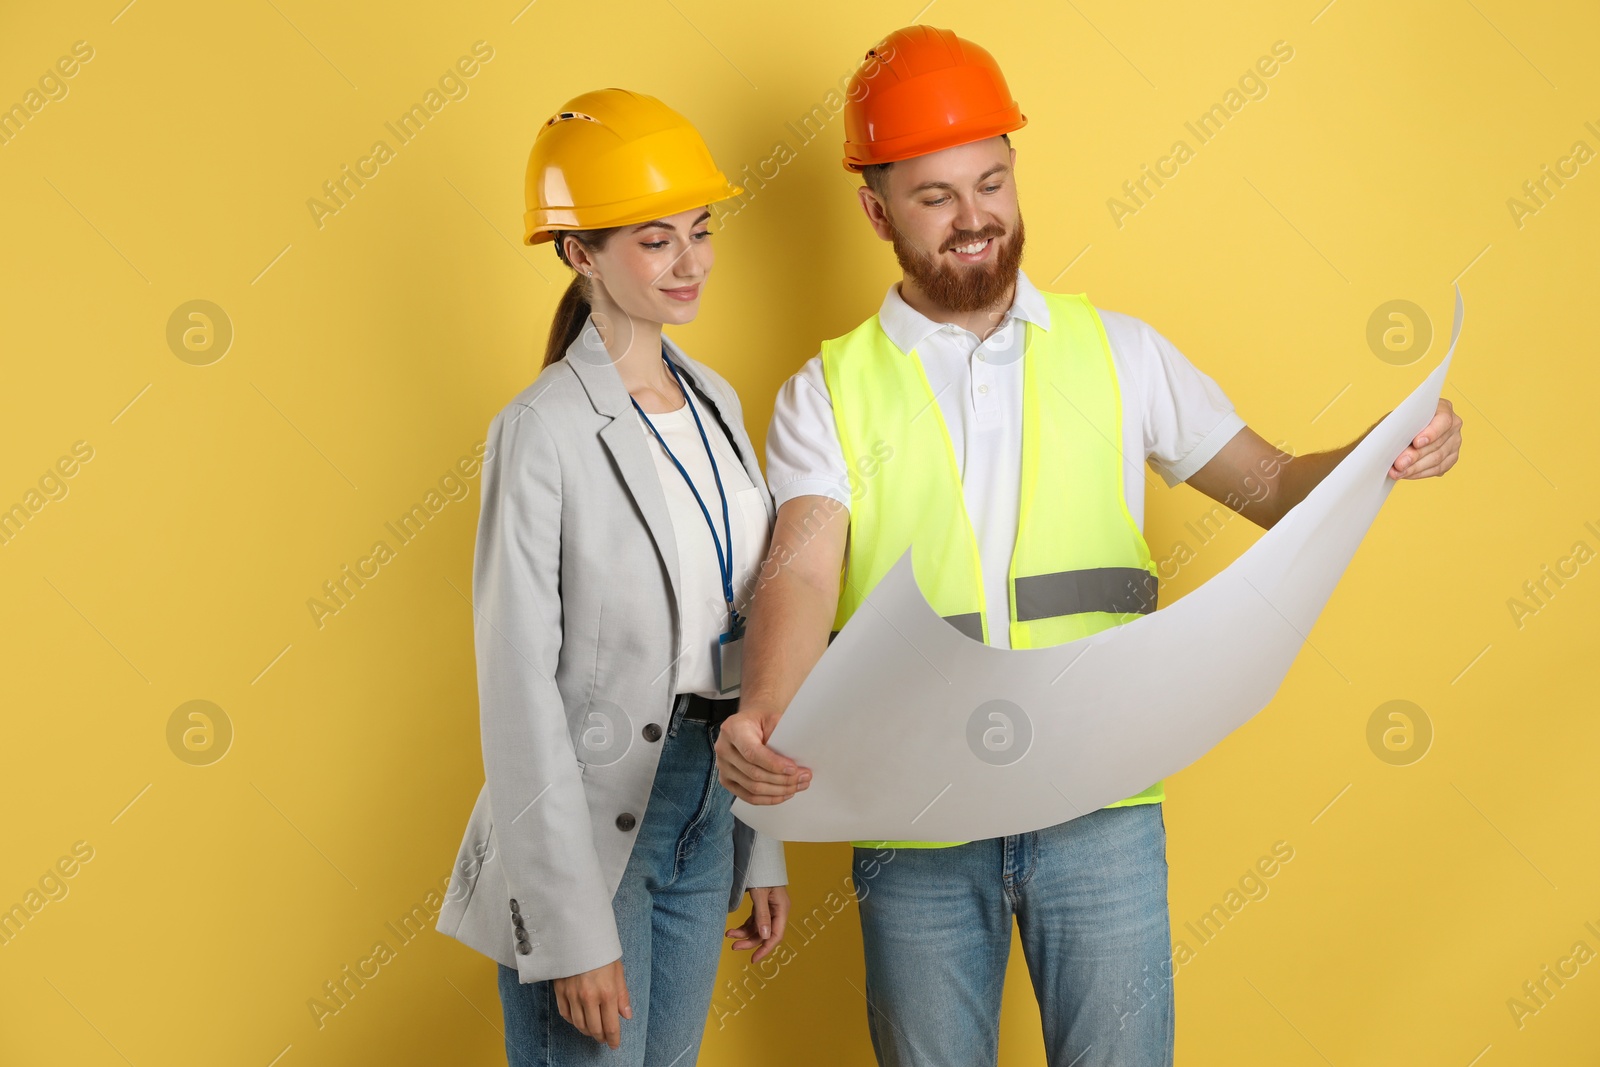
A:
[577, 603]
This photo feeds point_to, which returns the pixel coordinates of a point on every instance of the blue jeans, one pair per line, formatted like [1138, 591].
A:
[671, 909]
[1090, 900]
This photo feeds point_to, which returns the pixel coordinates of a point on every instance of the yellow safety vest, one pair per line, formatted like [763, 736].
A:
[1080, 564]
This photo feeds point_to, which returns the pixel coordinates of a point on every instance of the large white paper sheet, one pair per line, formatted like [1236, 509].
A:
[914, 731]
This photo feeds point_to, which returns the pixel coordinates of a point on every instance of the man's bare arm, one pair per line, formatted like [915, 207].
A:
[796, 596]
[1261, 482]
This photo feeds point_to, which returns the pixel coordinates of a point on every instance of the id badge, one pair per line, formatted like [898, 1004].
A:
[729, 659]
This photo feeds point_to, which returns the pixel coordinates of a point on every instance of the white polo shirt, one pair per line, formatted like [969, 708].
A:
[1173, 416]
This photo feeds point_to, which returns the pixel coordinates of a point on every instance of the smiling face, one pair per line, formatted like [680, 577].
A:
[954, 221]
[653, 271]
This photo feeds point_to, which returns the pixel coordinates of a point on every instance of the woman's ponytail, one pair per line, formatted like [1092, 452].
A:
[572, 313]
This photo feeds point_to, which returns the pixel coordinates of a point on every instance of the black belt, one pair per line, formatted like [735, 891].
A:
[707, 710]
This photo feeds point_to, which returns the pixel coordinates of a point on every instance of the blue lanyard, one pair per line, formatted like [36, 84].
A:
[724, 561]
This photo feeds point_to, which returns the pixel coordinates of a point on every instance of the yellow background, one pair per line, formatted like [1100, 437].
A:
[370, 353]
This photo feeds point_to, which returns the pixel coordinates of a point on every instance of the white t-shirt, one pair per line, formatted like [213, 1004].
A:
[705, 611]
[1173, 416]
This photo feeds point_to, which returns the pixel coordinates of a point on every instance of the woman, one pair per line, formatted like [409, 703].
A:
[624, 519]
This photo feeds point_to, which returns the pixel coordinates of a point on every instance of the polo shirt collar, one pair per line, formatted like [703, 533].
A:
[908, 327]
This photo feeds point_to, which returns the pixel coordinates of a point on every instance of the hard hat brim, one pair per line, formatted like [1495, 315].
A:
[542, 224]
[858, 156]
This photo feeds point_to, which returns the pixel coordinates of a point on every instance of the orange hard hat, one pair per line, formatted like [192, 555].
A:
[613, 158]
[921, 90]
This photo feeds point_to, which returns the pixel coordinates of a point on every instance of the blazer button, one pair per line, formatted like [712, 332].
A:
[523, 948]
[516, 920]
[514, 908]
[651, 732]
[625, 821]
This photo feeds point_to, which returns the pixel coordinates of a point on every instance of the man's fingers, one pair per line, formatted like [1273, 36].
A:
[744, 779]
[1425, 466]
[734, 776]
[758, 761]
[758, 800]
[1435, 435]
[1431, 460]
[757, 794]
[1433, 431]
[755, 771]
[750, 743]
[730, 759]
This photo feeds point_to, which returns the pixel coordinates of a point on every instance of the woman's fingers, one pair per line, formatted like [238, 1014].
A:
[746, 934]
[593, 1023]
[595, 1002]
[762, 912]
[775, 903]
[769, 915]
[780, 913]
[610, 1024]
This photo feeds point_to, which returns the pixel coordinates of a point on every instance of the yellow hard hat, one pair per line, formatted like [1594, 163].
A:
[614, 158]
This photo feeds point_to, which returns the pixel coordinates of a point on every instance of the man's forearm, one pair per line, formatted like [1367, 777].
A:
[1301, 474]
[791, 612]
[788, 632]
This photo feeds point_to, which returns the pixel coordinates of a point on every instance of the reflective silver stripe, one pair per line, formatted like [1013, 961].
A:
[970, 624]
[1115, 589]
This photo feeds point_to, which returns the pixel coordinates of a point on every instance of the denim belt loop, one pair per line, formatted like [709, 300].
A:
[680, 704]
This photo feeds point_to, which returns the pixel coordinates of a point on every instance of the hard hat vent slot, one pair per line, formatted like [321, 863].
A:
[565, 115]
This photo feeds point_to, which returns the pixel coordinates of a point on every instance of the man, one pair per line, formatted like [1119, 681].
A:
[988, 424]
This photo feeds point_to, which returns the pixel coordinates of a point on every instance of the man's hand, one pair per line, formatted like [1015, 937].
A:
[769, 914]
[591, 1001]
[1434, 450]
[749, 769]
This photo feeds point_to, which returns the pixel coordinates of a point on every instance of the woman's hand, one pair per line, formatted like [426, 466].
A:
[591, 1001]
[769, 914]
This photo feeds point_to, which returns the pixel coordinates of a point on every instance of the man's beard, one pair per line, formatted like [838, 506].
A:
[960, 288]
